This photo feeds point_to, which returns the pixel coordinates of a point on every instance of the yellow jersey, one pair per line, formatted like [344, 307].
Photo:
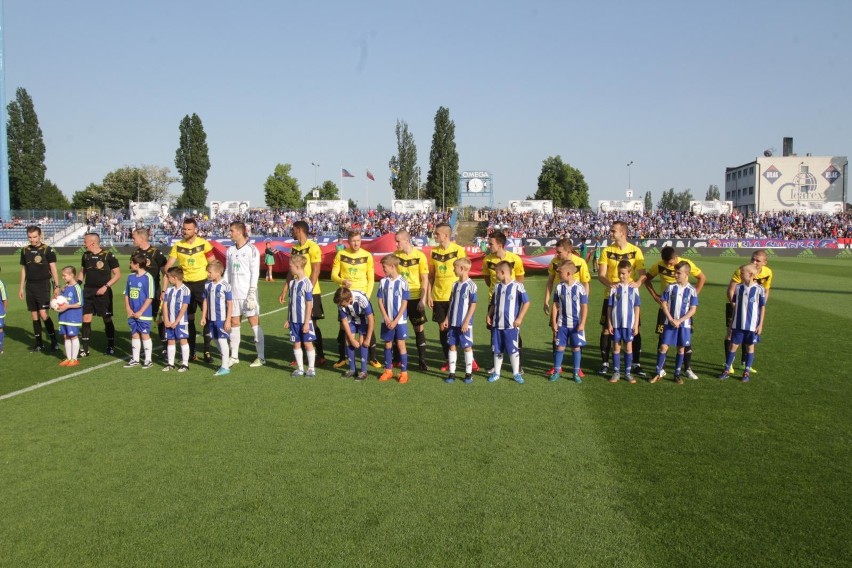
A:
[192, 258]
[764, 277]
[491, 260]
[612, 255]
[441, 266]
[667, 273]
[314, 254]
[583, 275]
[412, 267]
[357, 267]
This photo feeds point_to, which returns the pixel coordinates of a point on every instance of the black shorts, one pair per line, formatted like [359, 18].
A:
[413, 313]
[98, 305]
[38, 295]
[196, 295]
[440, 310]
[317, 313]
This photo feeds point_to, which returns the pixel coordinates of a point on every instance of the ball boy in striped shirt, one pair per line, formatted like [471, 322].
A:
[623, 320]
[568, 319]
[679, 303]
[299, 322]
[393, 304]
[509, 305]
[749, 302]
[459, 320]
[216, 310]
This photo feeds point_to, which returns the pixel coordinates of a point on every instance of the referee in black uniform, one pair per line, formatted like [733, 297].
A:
[155, 262]
[99, 272]
[38, 266]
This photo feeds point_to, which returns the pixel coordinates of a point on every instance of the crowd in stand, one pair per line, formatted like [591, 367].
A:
[585, 224]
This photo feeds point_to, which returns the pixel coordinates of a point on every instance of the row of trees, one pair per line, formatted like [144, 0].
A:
[31, 189]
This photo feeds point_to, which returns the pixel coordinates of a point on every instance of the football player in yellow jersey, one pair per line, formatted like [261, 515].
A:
[441, 279]
[304, 246]
[414, 267]
[191, 254]
[497, 254]
[759, 259]
[565, 251]
[620, 249]
[353, 268]
[665, 268]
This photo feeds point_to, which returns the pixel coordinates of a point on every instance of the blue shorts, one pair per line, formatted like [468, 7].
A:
[680, 336]
[217, 330]
[624, 334]
[742, 337]
[298, 336]
[505, 340]
[180, 332]
[142, 327]
[570, 337]
[69, 330]
[399, 333]
[456, 337]
[358, 330]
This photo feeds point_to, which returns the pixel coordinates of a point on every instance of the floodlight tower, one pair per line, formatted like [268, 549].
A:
[5, 207]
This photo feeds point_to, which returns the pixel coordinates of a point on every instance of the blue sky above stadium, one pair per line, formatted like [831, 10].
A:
[680, 89]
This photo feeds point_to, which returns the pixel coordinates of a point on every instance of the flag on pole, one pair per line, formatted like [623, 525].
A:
[345, 173]
[370, 176]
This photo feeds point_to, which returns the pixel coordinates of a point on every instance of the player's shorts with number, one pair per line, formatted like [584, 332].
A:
[570, 337]
[299, 336]
[505, 340]
[456, 337]
[624, 334]
[179, 332]
[140, 326]
[399, 333]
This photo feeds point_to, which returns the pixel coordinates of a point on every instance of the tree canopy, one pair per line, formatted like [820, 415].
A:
[442, 179]
[675, 201]
[328, 191]
[563, 184]
[403, 166]
[713, 193]
[26, 154]
[193, 163]
[282, 189]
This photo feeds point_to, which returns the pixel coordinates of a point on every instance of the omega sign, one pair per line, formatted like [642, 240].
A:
[475, 181]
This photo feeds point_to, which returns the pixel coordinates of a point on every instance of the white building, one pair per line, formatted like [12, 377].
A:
[788, 183]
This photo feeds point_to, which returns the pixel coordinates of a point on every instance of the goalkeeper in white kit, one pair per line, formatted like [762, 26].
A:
[242, 273]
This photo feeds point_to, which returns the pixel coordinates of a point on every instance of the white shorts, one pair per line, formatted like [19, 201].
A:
[240, 308]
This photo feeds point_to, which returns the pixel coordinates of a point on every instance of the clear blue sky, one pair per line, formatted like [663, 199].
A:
[682, 89]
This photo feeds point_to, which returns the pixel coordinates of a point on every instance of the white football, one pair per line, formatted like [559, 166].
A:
[58, 301]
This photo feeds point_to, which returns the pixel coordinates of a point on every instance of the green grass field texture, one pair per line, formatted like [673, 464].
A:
[127, 467]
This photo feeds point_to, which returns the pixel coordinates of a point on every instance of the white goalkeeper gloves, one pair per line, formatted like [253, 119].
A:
[251, 299]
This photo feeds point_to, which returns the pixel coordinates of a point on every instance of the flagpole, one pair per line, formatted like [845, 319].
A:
[367, 191]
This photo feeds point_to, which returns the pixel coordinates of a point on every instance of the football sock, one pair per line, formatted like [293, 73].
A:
[403, 361]
[444, 345]
[235, 341]
[678, 363]
[498, 363]
[661, 361]
[350, 355]
[207, 338]
[468, 362]
[75, 348]
[557, 360]
[170, 354]
[729, 360]
[342, 346]
[637, 346]
[727, 347]
[85, 334]
[628, 362]
[749, 360]
[37, 330]
[318, 343]
[616, 361]
[420, 338]
[259, 341]
[515, 360]
[605, 347]
[147, 348]
[135, 348]
[365, 353]
[225, 349]
[109, 330]
[300, 362]
[312, 358]
[68, 348]
[161, 331]
[388, 357]
[184, 354]
[687, 358]
[51, 331]
[453, 359]
[578, 357]
[193, 335]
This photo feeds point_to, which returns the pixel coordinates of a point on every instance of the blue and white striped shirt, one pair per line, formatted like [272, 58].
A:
[507, 301]
[680, 299]
[462, 296]
[139, 289]
[358, 310]
[218, 296]
[567, 301]
[300, 293]
[392, 293]
[623, 299]
[747, 303]
[174, 300]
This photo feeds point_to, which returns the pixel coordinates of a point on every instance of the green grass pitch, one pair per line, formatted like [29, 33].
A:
[127, 467]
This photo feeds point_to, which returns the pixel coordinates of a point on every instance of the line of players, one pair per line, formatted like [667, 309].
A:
[430, 282]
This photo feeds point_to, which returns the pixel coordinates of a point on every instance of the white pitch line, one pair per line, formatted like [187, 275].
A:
[101, 366]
